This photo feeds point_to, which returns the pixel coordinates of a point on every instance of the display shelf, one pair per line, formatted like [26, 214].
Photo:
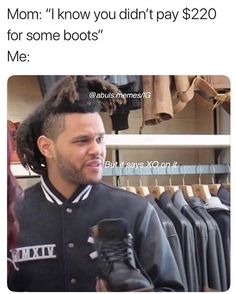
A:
[167, 141]
[20, 172]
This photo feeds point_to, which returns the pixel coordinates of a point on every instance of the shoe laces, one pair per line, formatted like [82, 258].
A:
[116, 251]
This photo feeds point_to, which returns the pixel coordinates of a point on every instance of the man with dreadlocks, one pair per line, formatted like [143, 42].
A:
[63, 141]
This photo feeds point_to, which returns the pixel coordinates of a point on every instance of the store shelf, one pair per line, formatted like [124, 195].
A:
[167, 141]
[19, 171]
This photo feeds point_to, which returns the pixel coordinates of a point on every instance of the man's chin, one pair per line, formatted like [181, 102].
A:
[93, 180]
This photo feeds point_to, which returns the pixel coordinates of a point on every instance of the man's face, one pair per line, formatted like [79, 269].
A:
[79, 151]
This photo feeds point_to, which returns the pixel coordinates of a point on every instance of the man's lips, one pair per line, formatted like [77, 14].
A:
[94, 163]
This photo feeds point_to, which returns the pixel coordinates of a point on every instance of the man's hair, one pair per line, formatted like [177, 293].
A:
[69, 95]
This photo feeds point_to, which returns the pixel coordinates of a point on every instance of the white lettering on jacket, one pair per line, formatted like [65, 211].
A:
[32, 253]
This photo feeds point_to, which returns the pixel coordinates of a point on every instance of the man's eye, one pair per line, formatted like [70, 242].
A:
[100, 139]
[82, 141]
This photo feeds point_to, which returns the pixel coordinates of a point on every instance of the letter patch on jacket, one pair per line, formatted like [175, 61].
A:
[29, 253]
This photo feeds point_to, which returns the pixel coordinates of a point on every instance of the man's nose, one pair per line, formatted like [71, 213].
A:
[95, 148]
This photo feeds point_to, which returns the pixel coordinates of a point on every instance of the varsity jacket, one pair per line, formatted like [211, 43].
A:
[55, 251]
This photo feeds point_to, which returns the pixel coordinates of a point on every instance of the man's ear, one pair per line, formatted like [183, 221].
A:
[45, 146]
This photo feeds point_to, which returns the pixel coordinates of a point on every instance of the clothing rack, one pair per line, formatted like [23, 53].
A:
[20, 172]
[168, 170]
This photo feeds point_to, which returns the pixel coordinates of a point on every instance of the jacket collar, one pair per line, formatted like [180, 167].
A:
[54, 196]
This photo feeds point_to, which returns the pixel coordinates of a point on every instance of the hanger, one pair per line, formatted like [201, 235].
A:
[171, 189]
[123, 187]
[214, 188]
[187, 190]
[201, 191]
[156, 190]
[130, 188]
[142, 190]
[118, 182]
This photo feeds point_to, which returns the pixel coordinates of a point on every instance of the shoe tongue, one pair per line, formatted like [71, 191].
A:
[113, 229]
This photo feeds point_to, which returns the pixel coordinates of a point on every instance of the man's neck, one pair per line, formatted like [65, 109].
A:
[64, 187]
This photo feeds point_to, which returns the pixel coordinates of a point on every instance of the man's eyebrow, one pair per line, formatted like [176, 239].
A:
[85, 136]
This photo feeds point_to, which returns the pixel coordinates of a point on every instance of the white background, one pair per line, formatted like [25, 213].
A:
[125, 47]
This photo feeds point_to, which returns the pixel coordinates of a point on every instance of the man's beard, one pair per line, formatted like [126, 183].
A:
[71, 173]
